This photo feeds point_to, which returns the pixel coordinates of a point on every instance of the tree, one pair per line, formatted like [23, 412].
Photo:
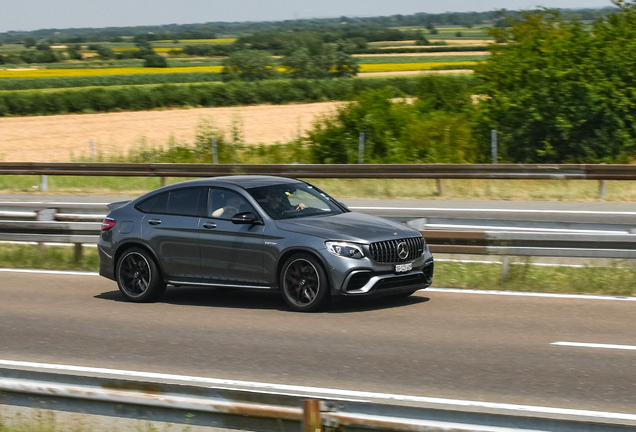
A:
[360, 42]
[557, 93]
[345, 64]
[420, 39]
[248, 65]
[310, 58]
[305, 61]
[74, 52]
[30, 42]
[155, 61]
[104, 53]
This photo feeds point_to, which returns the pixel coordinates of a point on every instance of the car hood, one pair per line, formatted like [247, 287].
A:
[352, 226]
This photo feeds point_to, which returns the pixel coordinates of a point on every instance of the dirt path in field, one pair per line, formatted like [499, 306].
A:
[58, 138]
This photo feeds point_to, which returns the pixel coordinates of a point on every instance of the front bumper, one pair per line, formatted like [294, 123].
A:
[366, 282]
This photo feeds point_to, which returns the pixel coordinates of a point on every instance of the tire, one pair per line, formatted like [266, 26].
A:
[138, 276]
[303, 283]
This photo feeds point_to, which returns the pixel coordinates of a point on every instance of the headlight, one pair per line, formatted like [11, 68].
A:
[343, 249]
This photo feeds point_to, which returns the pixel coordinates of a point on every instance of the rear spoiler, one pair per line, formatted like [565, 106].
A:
[116, 205]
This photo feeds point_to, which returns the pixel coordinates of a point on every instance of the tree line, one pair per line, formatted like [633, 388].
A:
[554, 91]
[338, 25]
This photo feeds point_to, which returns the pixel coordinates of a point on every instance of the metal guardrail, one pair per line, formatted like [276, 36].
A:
[545, 244]
[263, 409]
[79, 223]
[437, 171]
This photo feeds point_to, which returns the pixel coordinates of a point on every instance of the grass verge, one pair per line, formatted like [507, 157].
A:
[454, 189]
[618, 279]
[45, 257]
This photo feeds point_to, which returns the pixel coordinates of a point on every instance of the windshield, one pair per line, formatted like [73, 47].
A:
[285, 201]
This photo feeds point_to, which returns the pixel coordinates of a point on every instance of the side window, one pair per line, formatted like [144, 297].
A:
[224, 204]
[155, 204]
[185, 202]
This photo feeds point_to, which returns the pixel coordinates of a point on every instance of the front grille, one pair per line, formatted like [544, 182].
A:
[387, 251]
[416, 281]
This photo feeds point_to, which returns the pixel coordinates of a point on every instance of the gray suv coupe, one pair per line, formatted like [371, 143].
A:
[258, 232]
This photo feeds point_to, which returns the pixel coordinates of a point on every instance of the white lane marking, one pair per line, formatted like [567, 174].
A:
[595, 345]
[54, 272]
[522, 229]
[320, 390]
[527, 294]
[481, 210]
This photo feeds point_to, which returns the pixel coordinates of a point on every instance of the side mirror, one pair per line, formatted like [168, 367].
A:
[246, 218]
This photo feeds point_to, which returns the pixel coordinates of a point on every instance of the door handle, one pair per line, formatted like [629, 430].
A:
[154, 221]
[209, 225]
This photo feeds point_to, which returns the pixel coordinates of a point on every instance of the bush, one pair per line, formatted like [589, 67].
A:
[248, 65]
[155, 61]
[105, 99]
[394, 132]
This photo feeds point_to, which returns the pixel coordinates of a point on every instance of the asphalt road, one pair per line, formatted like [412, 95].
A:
[438, 344]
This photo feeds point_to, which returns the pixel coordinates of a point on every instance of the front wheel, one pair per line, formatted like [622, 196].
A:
[303, 283]
[138, 276]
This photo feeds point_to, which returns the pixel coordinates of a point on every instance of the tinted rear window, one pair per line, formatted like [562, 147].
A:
[186, 202]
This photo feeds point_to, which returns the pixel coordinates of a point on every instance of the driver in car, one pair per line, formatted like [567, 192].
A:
[277, 203]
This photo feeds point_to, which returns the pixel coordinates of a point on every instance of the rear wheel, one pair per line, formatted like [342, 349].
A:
[138, 276]
[303, 283]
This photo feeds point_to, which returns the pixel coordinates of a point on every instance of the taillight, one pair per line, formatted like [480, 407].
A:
[108, 223]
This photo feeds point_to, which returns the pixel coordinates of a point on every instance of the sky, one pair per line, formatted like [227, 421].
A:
[24, 15]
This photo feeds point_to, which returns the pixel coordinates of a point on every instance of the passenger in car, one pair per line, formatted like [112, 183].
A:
[231, 208]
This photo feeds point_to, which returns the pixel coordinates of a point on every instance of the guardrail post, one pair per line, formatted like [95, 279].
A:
[311, 416]
[44, 183]
[78, 251]
[215, 152]
[163, 181]
[91, 150]
[440, 187]
[602, 190]
[505, 268]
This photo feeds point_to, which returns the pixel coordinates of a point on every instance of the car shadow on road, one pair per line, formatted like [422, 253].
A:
[267, 300]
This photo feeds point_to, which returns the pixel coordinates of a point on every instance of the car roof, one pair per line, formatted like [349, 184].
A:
[244, 181]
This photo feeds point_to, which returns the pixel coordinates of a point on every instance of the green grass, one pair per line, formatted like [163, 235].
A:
[47, 257]
[504, 190]
[76, 185]
[15, 84]
[617, 280]
[499, 190]
[397, 59]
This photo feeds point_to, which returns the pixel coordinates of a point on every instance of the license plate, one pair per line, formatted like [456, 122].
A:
[400, 268]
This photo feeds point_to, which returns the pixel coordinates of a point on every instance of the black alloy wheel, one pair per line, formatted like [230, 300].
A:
[138, 276]
[303, 283]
